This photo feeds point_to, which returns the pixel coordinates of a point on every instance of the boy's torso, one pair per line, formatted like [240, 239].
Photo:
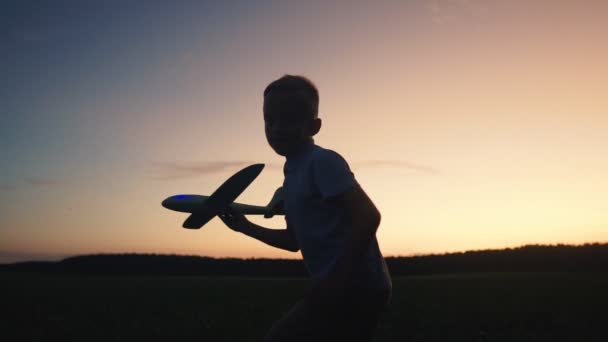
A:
[321, 228]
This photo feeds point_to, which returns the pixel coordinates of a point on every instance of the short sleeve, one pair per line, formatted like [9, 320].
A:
[332, 174]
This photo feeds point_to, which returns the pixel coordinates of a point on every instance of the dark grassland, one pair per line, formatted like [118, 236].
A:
[459, 307]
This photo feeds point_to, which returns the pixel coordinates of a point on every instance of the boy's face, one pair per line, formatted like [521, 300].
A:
[288, 124]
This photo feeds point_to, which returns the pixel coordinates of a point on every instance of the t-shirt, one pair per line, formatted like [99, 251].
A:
[312, 175]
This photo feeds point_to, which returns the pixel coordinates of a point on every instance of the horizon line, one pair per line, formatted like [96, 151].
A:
[44, 257]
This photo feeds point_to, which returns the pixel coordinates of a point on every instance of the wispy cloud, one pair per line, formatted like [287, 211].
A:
[180, 170]
[396, 164]
[6, 187]
[32, 181]
[40, 181]
[446, 11]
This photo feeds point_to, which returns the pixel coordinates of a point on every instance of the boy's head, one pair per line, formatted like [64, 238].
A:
[291, 106]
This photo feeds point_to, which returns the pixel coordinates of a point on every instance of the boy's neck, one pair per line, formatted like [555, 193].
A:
[297, 150]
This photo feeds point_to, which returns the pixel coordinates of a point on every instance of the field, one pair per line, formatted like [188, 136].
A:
[460, 307]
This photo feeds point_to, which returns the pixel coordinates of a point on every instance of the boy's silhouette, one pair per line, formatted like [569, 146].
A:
[329, 218]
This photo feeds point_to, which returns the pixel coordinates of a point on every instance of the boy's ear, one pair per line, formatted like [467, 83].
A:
[315, 126]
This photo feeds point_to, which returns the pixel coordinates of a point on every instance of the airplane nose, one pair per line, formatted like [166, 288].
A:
[166, 202]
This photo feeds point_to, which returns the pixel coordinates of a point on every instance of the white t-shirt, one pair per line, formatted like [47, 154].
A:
[312, 175]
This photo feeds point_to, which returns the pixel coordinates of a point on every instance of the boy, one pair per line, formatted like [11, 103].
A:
[329, 218]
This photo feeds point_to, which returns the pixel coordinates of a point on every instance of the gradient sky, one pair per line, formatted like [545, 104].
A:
[471, 124]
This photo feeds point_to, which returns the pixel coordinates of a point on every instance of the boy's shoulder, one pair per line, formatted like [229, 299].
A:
[331, 173]
[325, 155]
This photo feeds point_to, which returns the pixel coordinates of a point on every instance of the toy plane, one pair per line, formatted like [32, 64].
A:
[204, 208]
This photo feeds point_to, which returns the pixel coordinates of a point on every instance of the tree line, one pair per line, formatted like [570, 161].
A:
[529, 258]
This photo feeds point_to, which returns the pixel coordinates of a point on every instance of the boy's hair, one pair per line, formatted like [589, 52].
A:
[297, 85]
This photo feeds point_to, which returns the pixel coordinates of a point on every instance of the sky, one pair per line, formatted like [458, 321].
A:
[470, 124]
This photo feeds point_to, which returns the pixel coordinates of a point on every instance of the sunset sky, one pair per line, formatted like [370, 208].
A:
[471, 124]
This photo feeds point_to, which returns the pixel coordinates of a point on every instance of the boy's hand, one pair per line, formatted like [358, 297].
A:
[235, 220]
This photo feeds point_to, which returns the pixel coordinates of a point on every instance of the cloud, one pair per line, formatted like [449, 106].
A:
[31, 181]
[180, 170]
[446, 11]
[396, 164]
[6, 187]
[39, 181]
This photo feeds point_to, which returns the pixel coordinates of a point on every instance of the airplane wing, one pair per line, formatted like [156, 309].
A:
[198, 219]
[223, 196]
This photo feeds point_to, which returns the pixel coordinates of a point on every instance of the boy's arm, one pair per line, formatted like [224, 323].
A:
[365, 219]
[279, 238]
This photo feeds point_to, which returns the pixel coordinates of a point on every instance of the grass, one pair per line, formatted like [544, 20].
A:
[461, 307]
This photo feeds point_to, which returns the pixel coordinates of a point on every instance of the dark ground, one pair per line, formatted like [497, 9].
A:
[460, 307]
